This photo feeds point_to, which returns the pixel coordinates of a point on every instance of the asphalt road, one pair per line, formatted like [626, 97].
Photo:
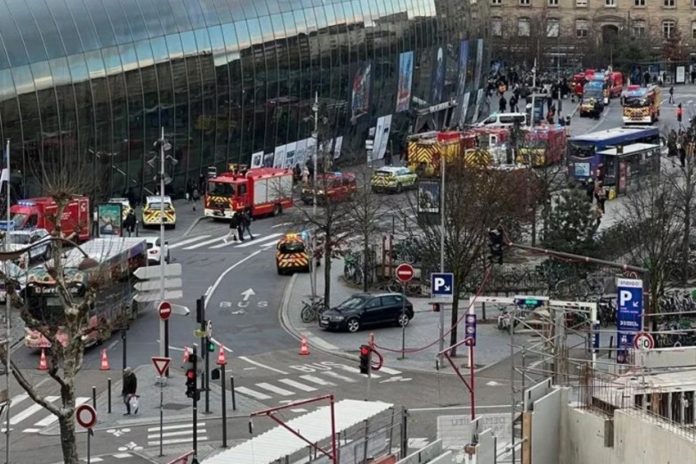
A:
[244, 296]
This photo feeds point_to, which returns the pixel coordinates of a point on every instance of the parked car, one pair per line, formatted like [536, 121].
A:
[39, 238]
[365, 309]
[154, 250]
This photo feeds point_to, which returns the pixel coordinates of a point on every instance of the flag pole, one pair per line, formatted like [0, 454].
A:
[8, 335]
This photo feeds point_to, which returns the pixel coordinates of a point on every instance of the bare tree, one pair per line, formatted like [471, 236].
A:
[61, 180]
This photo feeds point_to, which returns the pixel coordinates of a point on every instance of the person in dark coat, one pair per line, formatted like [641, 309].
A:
[130, 387]
[245, 220]
[129, 223]
[234, 227]
[502, 104]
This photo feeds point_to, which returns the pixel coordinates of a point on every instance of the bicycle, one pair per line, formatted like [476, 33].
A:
[312, 309]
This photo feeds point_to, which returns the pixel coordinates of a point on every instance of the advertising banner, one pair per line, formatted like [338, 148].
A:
[438, 78]
[290, 155]
[428, 197]
[360, 91]
[479, 64]
[477, 108]
[381, 137]
[403, 93]
[629, 314]
[110, 217]
[461, 78]
[279, 156]
[301, 152]
[257, 159]
[464, 108]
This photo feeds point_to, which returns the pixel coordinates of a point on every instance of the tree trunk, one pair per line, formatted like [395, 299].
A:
[366, 266]
[327, 272]
[685, 244]
[68, 437]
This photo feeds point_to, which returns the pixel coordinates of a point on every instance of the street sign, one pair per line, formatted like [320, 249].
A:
[145, 297]
[154, 285]
[405, 272]
[442, 286]
[154, 272]
[165, 310]
[86, 416]
[629, 313]
[470, 329]
[161, 364]
[209, 328]
[643, 341]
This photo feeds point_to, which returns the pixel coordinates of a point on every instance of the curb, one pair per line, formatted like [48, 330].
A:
[193, 226]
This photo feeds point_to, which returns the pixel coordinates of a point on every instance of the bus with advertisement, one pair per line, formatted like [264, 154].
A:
[583, 158]
[641, 105]
[115, 260]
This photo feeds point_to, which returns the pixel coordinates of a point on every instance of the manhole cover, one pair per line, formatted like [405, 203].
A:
[174, 406]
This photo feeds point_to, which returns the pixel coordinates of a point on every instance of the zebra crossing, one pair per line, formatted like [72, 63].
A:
[175, 434]
[207, 241]
[30, 417]
[302, 383]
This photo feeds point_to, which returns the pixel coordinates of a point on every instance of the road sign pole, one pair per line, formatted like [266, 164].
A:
[89, 446]
[161, 414]
[224, 406]
[403, 326]
[195, 406]
[164, 327]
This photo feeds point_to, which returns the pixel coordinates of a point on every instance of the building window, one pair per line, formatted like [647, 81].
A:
[523, 27]
[525, 2]
[668, 28]
[583, 3]
[497, 27]
[552, 27]
[581, 28]
[610, 3]
[693, 29]
[638, 28]
[500, 2]
[553, 2]
[668, 3]
[640, 2]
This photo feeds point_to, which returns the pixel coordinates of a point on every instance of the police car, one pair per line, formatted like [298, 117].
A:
[39, 238]
[151, 211]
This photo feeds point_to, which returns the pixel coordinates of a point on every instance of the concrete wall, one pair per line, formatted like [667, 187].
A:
[642, 439]
[546, 430]
[582, 440]
[667, 357]
[424, 455]
[486, 448]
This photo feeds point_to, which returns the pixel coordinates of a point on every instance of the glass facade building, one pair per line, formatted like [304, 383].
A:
[95, 80]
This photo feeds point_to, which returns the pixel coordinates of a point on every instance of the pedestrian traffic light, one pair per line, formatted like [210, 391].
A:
[200, 310]
[190, 383]
[210, 345]
[215, 374]
[495, 245]
[365, 351]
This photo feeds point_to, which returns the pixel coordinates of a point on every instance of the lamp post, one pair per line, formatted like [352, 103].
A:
[315, 136]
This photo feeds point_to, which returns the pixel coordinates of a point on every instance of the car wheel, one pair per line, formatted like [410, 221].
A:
[403, 320]
[353, 325]
[277, 210]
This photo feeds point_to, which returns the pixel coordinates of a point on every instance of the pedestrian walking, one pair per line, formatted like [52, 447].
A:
[129, 391]
[388, 158]
[305, 176]
[671, 95]
[597, 213]
[513, 103]
[680, 113]
[502, 104]
[129, 222]
[246, 223]
[589, 190]
[240, 225]
[296, 173]
[95, 222]
[234, 226]
[600, 195]
[195, 195]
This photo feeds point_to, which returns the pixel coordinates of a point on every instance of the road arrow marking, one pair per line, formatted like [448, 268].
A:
[249, 292]
[492, 383]
[396, 378]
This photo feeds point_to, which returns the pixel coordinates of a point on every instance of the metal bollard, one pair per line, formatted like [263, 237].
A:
[108, 389]
[611, 345]
[94, 397]
[234, 399]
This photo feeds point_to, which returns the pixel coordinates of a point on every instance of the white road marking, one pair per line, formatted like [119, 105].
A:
[389, 371]
[256, 241]
[298, 385]
[14, 420]
[216, 284]
[258, 364]
[317, 380]
[339, 376]
[299, 410]
[174, 427]
[281, 225]
[155, 436]
[253, 393]
[51, 419]
[175, 441]
[122, 455]
[94, 459]
[272, 388]
[187, 241]
[355, 370]
[224, 244]
[29, 430]
[207, 242]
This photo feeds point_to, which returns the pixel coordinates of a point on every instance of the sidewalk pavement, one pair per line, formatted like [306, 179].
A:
[422, 334]
[176, 405]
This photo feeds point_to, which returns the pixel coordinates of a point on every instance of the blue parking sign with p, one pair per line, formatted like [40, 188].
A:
[442, 285]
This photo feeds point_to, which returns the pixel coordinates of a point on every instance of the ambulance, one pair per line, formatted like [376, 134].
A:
[293, 253]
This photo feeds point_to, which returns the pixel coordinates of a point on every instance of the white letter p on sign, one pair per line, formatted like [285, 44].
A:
[439, 283]
[624, 297]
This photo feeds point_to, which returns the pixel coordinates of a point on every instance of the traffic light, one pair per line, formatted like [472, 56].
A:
[365, 351]
[200, 311]
[210, 345]
[191, 368]
[215, 374]
[495, 245]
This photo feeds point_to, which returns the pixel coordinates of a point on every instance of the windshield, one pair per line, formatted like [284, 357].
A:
[635, 102]
[383, 174]
[292, 247]
[351, 303]
[593, 93]
[20, 239]
[220, 188]
[580, 149]
[156, 205]
[19, 218]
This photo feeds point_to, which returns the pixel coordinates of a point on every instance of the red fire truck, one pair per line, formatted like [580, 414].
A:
[264, 190]
[40, 213]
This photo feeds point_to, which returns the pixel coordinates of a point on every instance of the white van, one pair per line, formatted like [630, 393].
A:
[504, 120]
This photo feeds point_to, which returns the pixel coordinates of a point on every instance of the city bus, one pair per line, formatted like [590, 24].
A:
[641, 104]
[117, 259]
[583, 157]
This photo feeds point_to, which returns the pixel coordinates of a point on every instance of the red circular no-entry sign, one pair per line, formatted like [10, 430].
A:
[405, 272]
[165, 310]
[86, 416]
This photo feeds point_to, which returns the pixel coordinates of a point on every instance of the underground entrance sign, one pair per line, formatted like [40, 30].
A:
[405, 272]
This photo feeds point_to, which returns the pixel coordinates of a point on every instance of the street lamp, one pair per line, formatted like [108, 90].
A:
[315, 136]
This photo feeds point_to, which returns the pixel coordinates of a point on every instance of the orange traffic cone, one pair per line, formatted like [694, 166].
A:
[43, 364]
[104, 362]
[185, 358]
[304, 348]
[221, 357]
